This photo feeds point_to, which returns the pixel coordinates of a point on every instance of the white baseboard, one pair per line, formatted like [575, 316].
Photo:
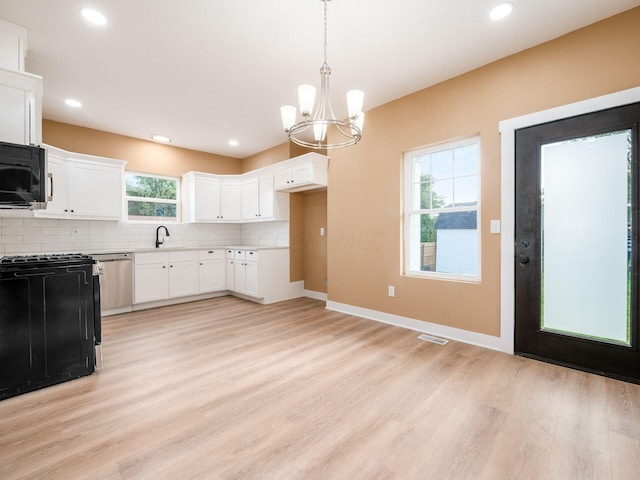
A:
[317, 295]
[176, 300]
[464, 336]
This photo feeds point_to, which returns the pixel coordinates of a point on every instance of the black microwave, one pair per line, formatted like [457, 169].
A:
[23, 173]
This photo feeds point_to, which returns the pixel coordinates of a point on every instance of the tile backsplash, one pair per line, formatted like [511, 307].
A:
[20, 235]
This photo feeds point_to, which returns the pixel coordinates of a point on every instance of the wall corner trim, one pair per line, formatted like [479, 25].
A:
[464, 336]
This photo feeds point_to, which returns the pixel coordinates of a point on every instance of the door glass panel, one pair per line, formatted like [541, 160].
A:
[585, 241]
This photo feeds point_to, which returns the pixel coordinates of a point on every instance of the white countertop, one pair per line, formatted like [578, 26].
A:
[161, 249]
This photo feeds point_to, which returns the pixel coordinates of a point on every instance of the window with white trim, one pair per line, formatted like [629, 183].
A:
[442, 216]
[152, 197]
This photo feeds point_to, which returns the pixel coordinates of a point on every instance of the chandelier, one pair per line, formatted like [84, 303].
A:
[318, 117]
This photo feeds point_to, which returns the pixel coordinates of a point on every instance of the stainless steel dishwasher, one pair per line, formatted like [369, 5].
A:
[116, 282]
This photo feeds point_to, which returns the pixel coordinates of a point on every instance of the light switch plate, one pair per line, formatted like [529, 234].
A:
[322, 231]
[495, 226]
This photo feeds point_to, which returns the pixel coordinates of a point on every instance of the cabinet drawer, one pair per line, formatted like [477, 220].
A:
[211, 254]
[183, 256]
[239, 254]
[151, 257]
[251, 256]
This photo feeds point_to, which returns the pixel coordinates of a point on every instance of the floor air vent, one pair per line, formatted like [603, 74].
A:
[429, 338]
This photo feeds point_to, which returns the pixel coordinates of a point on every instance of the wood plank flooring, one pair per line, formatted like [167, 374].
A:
[225, 389]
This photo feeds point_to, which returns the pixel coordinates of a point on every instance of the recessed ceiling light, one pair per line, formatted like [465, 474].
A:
[94, 16]
[233, 143]
[500, 11]
[73, 103]
[160, 138]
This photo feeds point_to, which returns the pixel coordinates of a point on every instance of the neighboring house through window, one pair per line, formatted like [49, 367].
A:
[442, 193]
[152, 197]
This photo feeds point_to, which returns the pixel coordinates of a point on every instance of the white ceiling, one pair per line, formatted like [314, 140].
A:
[206, 71]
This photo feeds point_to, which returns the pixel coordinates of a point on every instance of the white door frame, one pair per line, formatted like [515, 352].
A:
[507, 199]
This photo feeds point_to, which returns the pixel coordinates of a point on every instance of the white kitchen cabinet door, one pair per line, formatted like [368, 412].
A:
[251, 199]
[282, 178]
[267, 197]
[240, 276]
[211, 276]
[57, 186]
[231, 274]
[230, 201]
[183, 279]
[151, 282]
[207, 200]
[95, 191]
[302, 174]
[251, 281]
[21, 112]
[13, 46]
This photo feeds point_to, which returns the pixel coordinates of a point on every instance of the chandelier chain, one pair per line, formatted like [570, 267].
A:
[325, 31]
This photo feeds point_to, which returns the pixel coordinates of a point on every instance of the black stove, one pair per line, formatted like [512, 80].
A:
[49, 320]
[28, 261]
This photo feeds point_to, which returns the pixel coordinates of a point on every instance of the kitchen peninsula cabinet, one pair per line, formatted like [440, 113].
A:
[83, 187]
[262, 275]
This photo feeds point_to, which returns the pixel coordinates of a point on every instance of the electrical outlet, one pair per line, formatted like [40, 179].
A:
[495, 226]
[322, 231]
[392, 291]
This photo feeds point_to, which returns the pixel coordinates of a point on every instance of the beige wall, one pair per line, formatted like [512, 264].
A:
[266, 157]
[141, 155]
[315, 245]
[365, 181]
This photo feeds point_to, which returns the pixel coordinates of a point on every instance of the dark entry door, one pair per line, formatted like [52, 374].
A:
[576, 244]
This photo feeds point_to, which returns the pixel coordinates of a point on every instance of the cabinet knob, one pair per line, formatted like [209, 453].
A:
[200, 263]
[164, 266]
[210, 251]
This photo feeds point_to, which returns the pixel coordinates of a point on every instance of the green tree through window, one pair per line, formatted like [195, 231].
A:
[151, 197]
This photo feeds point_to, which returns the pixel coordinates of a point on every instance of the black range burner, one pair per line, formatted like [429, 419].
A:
[46, 260]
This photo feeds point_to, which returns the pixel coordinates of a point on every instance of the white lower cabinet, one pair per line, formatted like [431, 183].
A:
[151, 277]
[245, 269]
[251, 283]
[162, 275]
[261, 276]
[211, 271]
[183, 274]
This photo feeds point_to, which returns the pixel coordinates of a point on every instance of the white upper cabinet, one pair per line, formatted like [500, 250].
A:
[230, 200]
[210, 198]
[20, 108]
[259, 195]
[260, 201]
[13, 46]
[83, 187]
[306, 172]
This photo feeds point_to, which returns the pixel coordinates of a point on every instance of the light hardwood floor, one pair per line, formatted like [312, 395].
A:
[226, 389]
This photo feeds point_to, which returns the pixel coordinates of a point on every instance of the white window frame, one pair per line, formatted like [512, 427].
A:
[409, 212]
[175, 202]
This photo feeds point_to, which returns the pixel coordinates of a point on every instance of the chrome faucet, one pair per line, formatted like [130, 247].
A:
[158, 242]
